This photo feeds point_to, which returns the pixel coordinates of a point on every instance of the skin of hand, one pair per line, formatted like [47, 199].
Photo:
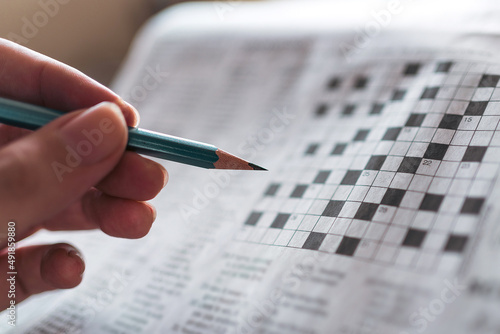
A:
[72, 174]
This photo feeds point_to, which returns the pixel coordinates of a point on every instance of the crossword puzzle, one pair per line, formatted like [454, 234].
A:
[408, 187]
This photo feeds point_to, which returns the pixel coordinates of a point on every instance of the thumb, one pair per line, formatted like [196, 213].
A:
[44, 172]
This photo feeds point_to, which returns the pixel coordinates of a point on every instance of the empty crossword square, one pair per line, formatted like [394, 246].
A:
[399, 173]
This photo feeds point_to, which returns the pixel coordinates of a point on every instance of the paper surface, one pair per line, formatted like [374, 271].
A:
[378, 214]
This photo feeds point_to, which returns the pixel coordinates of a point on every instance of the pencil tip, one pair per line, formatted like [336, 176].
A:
[255, 167]
[229, 161]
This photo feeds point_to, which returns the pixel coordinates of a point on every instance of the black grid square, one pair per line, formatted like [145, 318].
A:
[361, 135]
[299, 191]
[414, 238]
[253, 218]
[322, 176]
[489, 80]
[392, 134]
[444, 67]
[333, 208]
[476, 108]
[360, 82]
[474, 153]
[431, 202]
[280, 220]
[321, 110]
[436, 151]
[429, 93]
[409, 165]
[311, 149]
[272, 189]
[334, 83]
[398, 95]
[450, 122]
[366, 211]
[472, 205]
[456, 243]
[393, 197]
[339, 149]
[376, 162]
[376, 109]
[348, 110]
[412, 69]
[314, 241]
[351, 177]
[415, 120]
[348, 246]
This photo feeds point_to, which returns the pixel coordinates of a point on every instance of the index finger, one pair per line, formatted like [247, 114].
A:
[28, 76]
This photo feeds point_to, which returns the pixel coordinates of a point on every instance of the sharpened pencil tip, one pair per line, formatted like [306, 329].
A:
[229, 161]
[255, 167]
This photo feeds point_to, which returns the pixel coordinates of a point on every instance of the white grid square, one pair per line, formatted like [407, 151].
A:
[417, 149]
[383, 179]
[324, 224]
[447, 168]
[440, 185]
[401, 181]
[462, 138]
[357, 228]
[298, 239]
[481, 138]
[420, 183]
[284, 237]
[340, 226]
[443, 136]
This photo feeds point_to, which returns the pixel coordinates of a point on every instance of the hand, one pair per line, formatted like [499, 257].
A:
[72, 174]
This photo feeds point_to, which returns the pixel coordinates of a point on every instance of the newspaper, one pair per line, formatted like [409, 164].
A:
[379, 211]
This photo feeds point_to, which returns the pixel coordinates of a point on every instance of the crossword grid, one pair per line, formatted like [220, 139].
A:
[407, 189]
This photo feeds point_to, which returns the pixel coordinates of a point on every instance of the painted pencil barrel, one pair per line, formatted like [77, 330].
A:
[172, 148]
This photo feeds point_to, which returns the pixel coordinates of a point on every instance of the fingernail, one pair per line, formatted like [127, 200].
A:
[153, 210]
[165, 176]
[131, 114]
[77, 257]
[94, 135]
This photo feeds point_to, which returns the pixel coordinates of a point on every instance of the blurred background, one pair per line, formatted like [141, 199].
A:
[91, 35]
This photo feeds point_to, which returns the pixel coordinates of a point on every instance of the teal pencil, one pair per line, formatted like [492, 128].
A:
[32, 117]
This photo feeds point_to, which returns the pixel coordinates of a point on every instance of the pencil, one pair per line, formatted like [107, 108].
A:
[155, 144]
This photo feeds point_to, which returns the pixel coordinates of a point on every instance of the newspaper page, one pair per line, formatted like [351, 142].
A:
[378, 213]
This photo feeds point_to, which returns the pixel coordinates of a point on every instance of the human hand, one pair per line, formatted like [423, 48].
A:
[72, 174]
